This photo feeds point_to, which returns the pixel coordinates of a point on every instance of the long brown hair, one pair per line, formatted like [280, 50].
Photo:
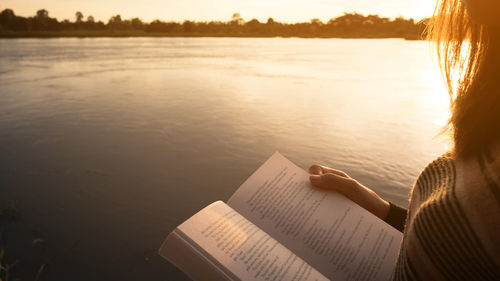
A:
[469, 58]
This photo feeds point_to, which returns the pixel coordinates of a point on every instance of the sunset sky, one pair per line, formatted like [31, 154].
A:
[202, 10]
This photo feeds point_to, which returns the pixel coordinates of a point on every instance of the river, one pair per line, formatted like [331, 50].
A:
[107, 144]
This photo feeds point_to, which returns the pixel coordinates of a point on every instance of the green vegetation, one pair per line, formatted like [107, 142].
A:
[346, 26]
[4, 268]
[7, 214]
[24, 253]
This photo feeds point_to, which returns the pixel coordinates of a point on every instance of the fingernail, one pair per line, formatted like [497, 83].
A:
[315, 178]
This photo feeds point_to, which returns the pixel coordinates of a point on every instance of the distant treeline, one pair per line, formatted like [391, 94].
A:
[349, 25]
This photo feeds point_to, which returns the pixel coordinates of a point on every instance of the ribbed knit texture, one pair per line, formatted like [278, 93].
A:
[452, 229]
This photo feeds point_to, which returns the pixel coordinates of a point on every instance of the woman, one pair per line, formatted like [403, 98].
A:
[452, 227]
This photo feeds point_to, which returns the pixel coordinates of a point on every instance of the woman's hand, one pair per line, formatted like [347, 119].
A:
[329, 178]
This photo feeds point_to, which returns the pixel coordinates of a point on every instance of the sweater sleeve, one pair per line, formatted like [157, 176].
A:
[396, 216]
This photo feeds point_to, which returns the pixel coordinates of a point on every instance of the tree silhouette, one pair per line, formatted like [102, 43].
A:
[137, 23]
[78, 17]
[253, 23]
[237, 19]
[348, 25]
[115, 22]
[7, 17]
[188, 26]
[42, 14]
[42, 21]
[8, 14]
[316, 22]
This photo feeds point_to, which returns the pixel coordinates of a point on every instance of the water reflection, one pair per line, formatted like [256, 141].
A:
[110, 143]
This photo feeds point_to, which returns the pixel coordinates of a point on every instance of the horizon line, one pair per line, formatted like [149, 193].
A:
[215, 20]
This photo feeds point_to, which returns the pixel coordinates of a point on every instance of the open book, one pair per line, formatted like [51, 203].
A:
[277, 226]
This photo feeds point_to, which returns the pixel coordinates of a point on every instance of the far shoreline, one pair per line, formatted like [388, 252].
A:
[128, 34]
[348, 26]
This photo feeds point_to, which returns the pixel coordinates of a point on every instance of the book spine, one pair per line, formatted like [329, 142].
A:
[193, 260]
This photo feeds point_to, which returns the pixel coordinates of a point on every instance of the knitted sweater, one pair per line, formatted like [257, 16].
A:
[452, 228]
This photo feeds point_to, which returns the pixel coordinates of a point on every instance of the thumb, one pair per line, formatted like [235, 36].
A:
[346, 186]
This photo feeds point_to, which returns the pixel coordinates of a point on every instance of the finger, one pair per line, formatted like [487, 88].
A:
[327, 170]
[346, 186]
[319, 169]
[315, 170]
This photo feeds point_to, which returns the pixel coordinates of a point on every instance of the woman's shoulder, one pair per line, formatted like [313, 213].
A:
[438, 176]
[478, 194]
[480, 176]
[452, 230]
[444, 164]
[448, 170]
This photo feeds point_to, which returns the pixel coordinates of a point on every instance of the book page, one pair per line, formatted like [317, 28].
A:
[238, 248]
[330, 232]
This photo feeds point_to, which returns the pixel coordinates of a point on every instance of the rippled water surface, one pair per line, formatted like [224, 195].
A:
[108, 144]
